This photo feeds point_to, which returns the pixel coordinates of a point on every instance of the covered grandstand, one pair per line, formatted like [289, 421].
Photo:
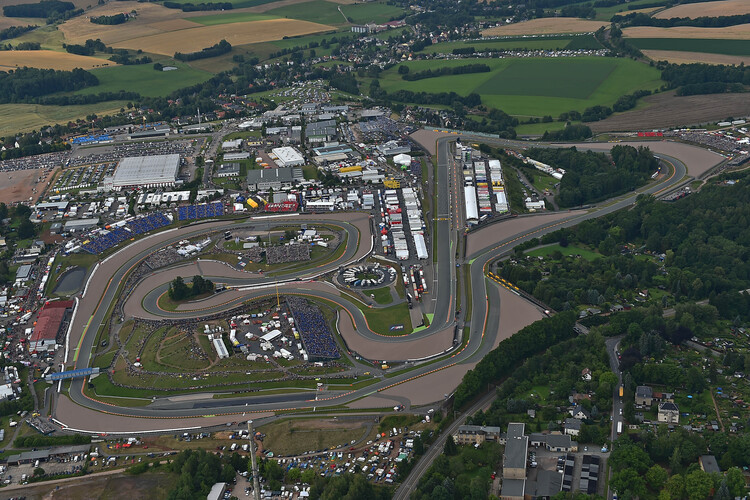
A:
[145, 171]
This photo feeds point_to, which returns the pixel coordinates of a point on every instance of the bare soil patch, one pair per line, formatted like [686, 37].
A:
[47, 59]
[739, 32]
[546, 25]
[708, 9]
[18, 185]
[682, 57]
[665, 110]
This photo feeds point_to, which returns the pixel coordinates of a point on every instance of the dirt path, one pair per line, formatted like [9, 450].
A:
[716, 409]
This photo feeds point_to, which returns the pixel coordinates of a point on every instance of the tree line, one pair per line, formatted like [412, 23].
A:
[502, 360]
[27, 84]
[110, 20]
[15, 31]
[641, 19]
[218, 49]
[190, 7]
[403, 70]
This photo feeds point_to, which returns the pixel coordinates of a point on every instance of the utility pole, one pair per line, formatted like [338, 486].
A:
[253, 461]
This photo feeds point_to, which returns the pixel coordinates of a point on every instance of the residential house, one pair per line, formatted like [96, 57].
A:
[669, 413]
[644, 396]
[477, 434]
[572, 426]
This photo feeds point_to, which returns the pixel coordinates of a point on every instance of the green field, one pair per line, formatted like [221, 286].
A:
[230, 17]
[317, 11]
[145, 80]
[567, 251]
[363, 13]
[538, 128]
[237, 4]
[606, 13]
[301, 41]
[323, 12]
[535, 86]
[710, 46]
[518, 43]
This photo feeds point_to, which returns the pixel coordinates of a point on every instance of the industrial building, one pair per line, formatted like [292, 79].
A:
[231, 145]
[81, 224]
[321, 131]
[514, 463]
[144, 171]
[288, 157]
[273, 178]
[228, 170]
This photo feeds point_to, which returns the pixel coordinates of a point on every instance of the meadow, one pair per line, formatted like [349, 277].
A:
[715, 46]
[535, 86]
[145, 80]
[324, 12]
[553, 42]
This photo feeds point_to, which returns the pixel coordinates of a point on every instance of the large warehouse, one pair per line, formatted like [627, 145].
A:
[288, 157]
[144, 171]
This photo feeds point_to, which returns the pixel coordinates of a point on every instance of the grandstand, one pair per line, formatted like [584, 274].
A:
[114, 236]
[192, 212]
[313, 329]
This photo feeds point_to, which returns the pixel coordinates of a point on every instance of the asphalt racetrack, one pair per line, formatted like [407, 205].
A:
[496, 313]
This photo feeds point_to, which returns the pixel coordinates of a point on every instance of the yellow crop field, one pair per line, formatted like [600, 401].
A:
[11, 59]
[195, 39]
[739, 32]
[148, 15]
[546, 26]
[708, 9]
[680, 57]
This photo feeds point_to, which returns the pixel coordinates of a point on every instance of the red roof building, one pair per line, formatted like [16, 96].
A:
[48, 325]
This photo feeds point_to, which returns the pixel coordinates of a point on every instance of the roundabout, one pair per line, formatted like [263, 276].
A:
[419, 368]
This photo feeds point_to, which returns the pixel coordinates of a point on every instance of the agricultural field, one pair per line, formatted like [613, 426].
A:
[27, 117]
[678, 57]
[708, 9]
[546, 25]
[260, 5]
[536, 86]
[521, 43]
[47, 59]
[316, 11]
[712, 46]
[739, 32]
[145, 80]
[664, 110]
[160, 30]
[606, 13]
[372, 12]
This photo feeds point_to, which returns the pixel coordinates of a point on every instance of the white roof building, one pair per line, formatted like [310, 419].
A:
[231, 145]
[144, 171]
[288, 157]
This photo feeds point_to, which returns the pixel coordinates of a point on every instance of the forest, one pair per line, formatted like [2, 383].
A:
[502, 360]
[26, 84]
[110, 20]
[14, 31]
[591, 177]
[44, 9]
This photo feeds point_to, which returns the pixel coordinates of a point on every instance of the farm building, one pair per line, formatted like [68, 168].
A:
[273, 178]
[288, 157]
[144, 171]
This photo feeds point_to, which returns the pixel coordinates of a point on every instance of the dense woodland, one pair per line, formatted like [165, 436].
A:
[179, 290]
[15, 31]
[44, 9]
[591, 177]
[110, 20]
[26, 84]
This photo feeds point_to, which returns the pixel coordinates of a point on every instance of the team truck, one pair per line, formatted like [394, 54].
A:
[619, 427]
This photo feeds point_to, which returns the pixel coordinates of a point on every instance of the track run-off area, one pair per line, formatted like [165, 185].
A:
[435, 363]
